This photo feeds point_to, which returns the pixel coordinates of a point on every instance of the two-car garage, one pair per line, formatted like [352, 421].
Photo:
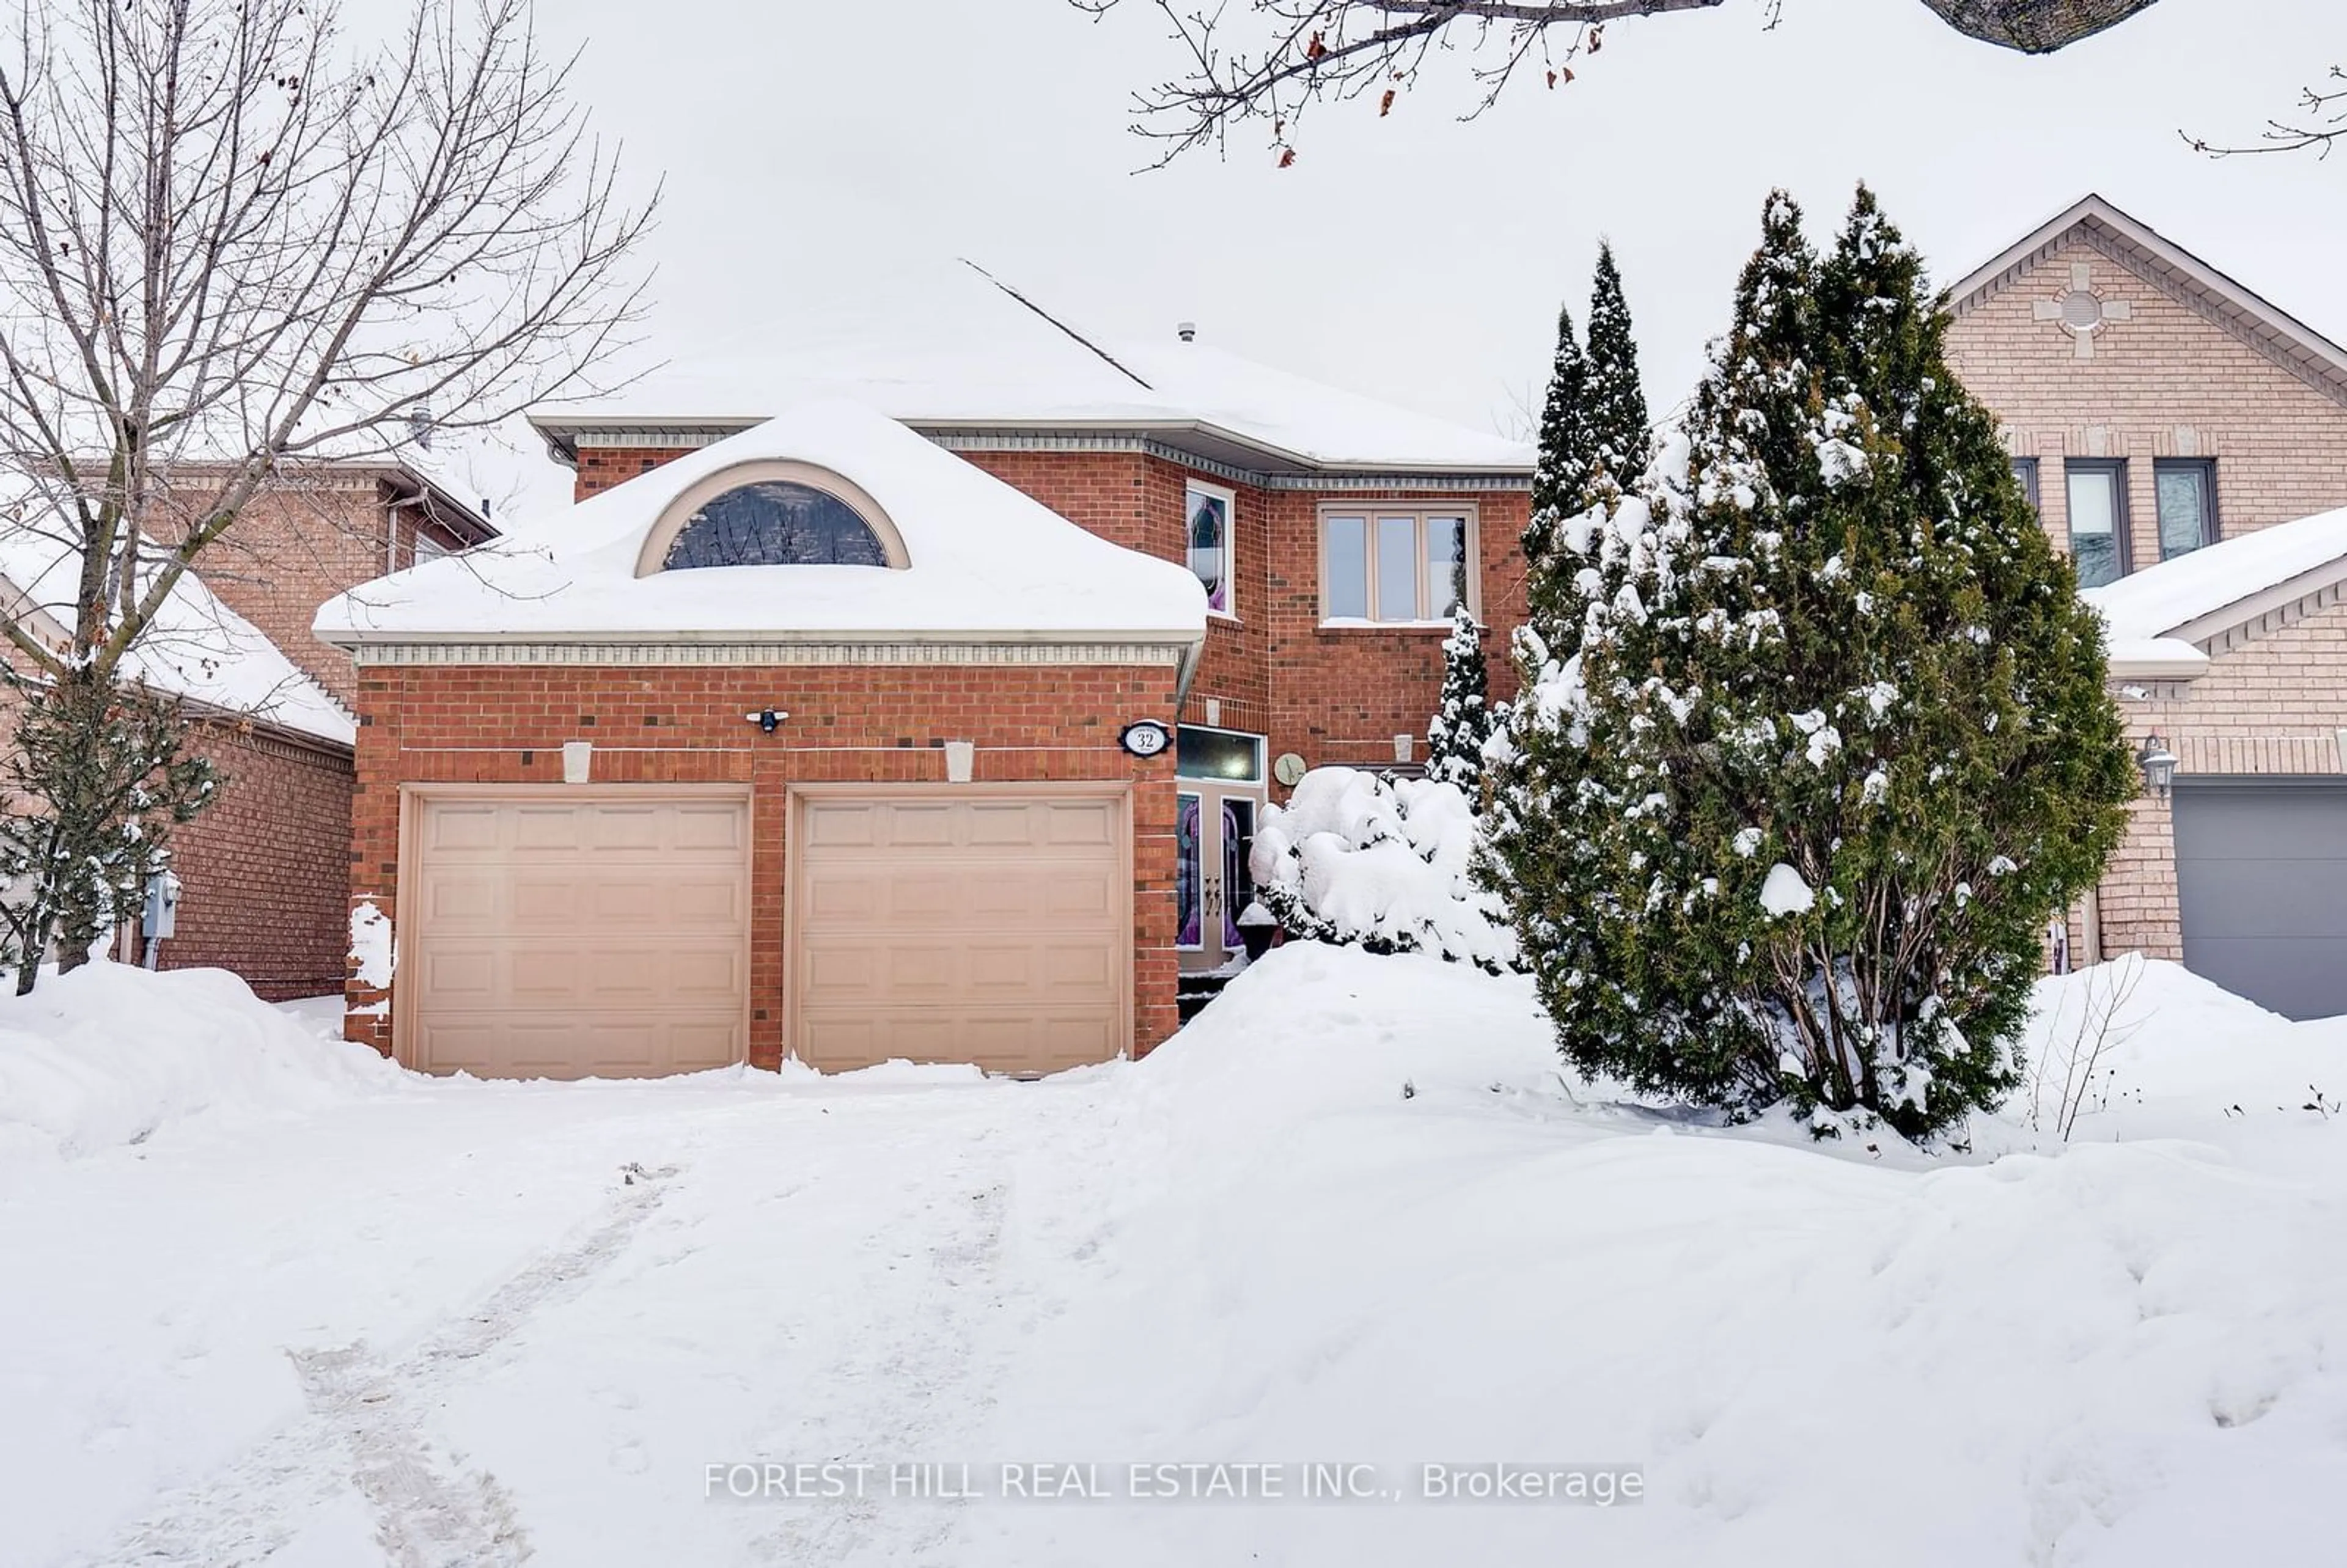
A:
[609, 931]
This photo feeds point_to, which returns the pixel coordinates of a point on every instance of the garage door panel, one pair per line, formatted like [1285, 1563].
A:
[1002, 826]
[454, 829]
[457, 896]
[2270, 897]
[1091, 824]
[916, 827]
[570, 939]
[2262, 885]
[536, 828]
[458, 971]
[984, 928]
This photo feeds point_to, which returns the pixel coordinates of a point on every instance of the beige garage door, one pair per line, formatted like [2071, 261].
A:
[575, 935]
[993, 928]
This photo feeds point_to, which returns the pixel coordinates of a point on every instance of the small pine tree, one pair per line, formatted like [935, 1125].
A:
[1462, 726]
[1834, 738]
[116, 757]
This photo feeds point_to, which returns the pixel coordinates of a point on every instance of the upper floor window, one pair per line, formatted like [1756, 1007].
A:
[2187, 492]
[2096, 489]
[2025, 471]
[1208, 541]
[1395, 565]
[772, 514]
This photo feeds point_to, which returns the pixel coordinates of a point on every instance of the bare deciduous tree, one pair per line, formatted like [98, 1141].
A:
[1294, 53]
[235, 240]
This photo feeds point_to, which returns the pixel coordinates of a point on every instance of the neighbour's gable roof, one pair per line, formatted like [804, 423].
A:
[987, 563]
[197, 648]
[2216, 599]
[957, 357]
[2134, 245]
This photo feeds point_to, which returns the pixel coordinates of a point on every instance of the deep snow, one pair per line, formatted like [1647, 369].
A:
[1354, 1214]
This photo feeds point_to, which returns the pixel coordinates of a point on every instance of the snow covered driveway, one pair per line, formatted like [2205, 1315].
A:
[326, 1313]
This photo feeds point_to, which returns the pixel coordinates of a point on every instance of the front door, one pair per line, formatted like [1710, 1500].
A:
[1221, 794]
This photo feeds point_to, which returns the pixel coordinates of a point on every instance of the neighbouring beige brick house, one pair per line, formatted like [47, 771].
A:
[2186, 442]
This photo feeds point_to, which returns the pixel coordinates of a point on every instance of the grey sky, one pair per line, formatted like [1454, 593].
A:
[809, 144]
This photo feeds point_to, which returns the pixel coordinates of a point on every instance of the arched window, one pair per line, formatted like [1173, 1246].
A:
[774, 522]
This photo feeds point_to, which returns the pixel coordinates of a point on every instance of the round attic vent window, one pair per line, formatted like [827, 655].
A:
[2081, 311]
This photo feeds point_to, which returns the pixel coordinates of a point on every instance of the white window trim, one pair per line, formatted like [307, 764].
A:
[1230, 501]
[1419, 511]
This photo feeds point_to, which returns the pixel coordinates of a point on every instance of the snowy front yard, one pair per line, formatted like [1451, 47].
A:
[320, 1312]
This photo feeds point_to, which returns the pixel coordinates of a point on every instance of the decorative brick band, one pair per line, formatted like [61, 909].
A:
[767, 653]
[690, 437]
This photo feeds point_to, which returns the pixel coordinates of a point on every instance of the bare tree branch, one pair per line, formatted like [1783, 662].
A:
[231, 243]
[2317, 124]
[1298, 52]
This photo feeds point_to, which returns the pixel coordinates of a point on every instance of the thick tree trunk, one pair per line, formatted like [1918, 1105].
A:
[2034, 26]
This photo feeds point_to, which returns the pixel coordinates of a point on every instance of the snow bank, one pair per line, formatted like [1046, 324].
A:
[2120, 1351]
[109, 1054]
[1352, 859]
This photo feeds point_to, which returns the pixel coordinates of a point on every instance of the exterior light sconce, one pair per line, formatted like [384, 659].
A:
[768, 719]
[2159, 765]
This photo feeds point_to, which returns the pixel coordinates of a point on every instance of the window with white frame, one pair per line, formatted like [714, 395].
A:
[1208, 536]
[1395, 565]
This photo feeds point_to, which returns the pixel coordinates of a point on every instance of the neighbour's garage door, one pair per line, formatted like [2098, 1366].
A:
[960, 926]
[568, 935]
[2261, 874]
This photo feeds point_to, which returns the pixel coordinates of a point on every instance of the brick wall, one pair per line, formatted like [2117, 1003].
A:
[2165, 383]
[295, 547]
[2275, 704]
[600, 468]
[880, 726]
[265, 871]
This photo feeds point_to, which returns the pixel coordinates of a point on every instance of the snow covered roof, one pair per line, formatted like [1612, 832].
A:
[2183, 603]
[985, 562]
[2151, 254]
[946, 349]
[197, 648]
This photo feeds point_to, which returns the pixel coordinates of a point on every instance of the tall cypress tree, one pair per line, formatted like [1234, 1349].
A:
[1566, 445]
[1620, 430]
[1833, 739]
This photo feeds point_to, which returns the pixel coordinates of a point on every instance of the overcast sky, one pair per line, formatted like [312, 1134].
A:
[806, 145]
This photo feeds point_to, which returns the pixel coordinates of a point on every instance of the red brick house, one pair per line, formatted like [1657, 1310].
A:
[883, 860]
[2167, 421]
[265, 871]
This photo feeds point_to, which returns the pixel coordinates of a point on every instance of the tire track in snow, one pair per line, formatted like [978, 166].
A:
[364, 1426]
[910, 1373]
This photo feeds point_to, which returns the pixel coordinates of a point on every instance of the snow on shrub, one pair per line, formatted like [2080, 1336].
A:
[107, 1054]
[1353, 859]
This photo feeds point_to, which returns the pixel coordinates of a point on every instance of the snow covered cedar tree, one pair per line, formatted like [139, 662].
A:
[1595, 439]
[1833, 741]
[1566, 445]
[1621, 434]
[1462, 726]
